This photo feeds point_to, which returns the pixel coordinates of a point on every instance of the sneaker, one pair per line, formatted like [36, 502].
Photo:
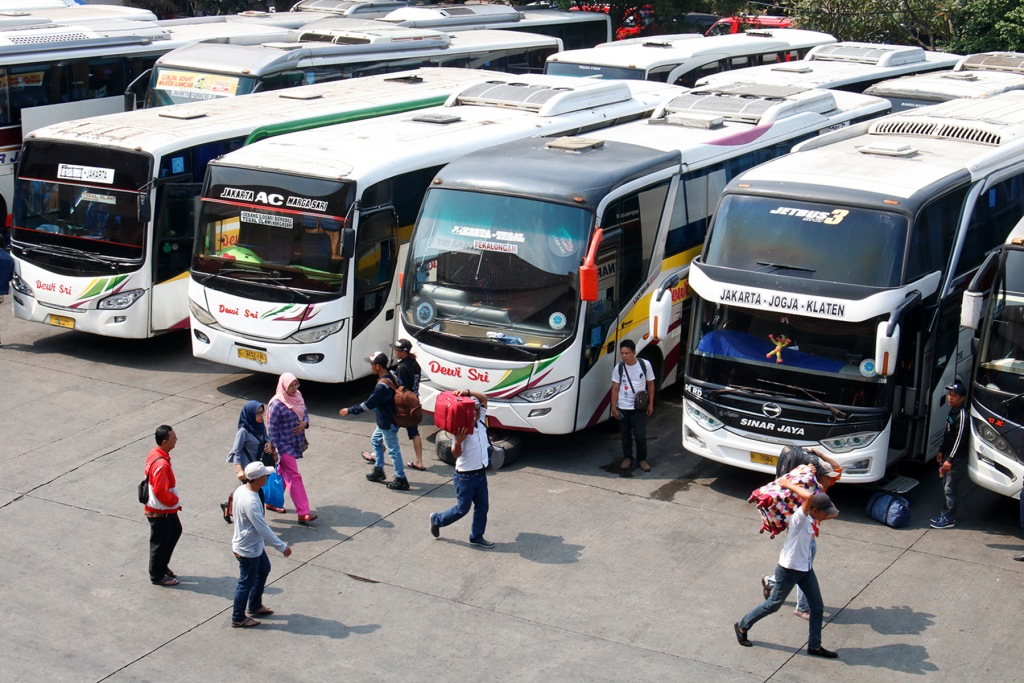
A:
[435, 530]
[822, 652]
[376, 475]
[935, 519]
[399, 484]
[802, 614]
[482, 542]
[943, 523]
[741, 635]
[766, 586]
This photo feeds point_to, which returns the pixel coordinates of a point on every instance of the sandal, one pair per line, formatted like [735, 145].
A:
[248, 622]
[418, 468]
[260, 612]
[224, 512]
[275, 509]
[369, 457]
[166, 581]
[306, 519]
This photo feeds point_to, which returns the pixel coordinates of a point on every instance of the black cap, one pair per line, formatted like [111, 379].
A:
[402, 345]
[958, 388]
[377, 358]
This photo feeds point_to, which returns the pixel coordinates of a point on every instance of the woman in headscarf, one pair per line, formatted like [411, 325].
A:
[287, 422]
[251, 445]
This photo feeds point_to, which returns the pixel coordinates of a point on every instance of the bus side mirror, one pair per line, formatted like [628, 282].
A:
[886, 349]
[588, 271]
[142, 207]
[660, 314]
[129, 101]
[348, 242]
[970, 310]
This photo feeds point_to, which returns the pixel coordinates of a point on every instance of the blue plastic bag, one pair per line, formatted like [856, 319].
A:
[273, 491]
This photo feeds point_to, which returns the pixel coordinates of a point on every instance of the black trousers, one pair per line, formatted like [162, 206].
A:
[164, 532]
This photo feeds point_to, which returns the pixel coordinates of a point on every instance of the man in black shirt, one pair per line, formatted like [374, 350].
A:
[408, 371]
[952, 456]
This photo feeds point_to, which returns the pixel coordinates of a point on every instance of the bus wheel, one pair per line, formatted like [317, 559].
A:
[444, 450]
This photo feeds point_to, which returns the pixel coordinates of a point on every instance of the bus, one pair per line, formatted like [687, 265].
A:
[994, 306]
[683, 59]
[357, 9]
[494, 295]
[105, 207]
[845, 65]
[72, 14]
[576, 30]
[978, 75]
[204, 71]
[827, 297]
[300, 236]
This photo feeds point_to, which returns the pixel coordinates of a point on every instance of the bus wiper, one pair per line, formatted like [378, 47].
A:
[783, 266]
[734, 387]
[54, 250]
[462, 316]
[835, 411]
[1010, 400]
[206, 277]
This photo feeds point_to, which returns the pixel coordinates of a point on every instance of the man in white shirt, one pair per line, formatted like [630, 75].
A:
[248, 543]
[470, 477]
[630, 377]
[794, 569]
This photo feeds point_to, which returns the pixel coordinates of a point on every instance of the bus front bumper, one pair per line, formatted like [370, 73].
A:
[994, 471]
[129, 323]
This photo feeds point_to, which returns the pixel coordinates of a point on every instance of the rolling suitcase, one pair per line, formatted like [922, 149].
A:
[452, 413]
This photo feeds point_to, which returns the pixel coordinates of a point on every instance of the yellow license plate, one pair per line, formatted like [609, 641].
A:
[763, 459]
[251, 354]
[62, 321]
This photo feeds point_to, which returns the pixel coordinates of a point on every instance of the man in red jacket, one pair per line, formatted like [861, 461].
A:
[162, 508]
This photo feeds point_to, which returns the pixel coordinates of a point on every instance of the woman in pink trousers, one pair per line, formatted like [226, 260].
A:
[287, 422]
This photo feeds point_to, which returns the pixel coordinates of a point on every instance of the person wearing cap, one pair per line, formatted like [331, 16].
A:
[952, 457]
[409, 373]
[470, 478]
[794, 569]
[826, 473]
[249, 545]
[382, 402]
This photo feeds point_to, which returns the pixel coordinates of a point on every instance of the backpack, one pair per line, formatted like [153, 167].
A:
[792, 457]
[144, 487]
[408, 411]
[890, 509]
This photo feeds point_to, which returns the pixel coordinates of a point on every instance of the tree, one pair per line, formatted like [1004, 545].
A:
[984, 25]
[927, 23]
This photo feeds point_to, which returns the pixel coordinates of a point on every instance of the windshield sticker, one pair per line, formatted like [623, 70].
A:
[867, 367]
[267, 219]
[557, 321]
[834, 217]
[197, 85]
[86, 174]
[561, 244]
[273, 199]
[424, 312]
[502, 247]
[101, 198]
[488, 234]
[784, 302]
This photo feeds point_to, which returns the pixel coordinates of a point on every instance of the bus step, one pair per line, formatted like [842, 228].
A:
[898, 484]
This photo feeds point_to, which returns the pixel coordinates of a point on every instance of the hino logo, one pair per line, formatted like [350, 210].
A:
[771, 410]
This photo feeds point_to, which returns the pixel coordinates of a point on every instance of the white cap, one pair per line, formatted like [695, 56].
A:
[255, 470]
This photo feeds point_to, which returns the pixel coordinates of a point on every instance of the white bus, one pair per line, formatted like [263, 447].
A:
[684, 59]
[300, 236]
[356, 9]
[105, 207]
[205, 71]
[846, 66]
[827, 298]
[994, 306]
[979, 75]
[495, 296]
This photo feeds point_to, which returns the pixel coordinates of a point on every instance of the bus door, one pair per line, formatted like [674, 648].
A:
[173, 238]
[600, 332]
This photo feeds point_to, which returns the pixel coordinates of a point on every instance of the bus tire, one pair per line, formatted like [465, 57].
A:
[444, 450]
[512, 444]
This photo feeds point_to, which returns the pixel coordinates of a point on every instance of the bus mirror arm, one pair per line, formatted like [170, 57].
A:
[131, 97]
[887, 337]
[588, 271]
[974, 298]
[660, 310]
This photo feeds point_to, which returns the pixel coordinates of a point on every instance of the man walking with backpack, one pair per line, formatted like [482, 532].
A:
[632, 403]
[382, 402]
[409, 373]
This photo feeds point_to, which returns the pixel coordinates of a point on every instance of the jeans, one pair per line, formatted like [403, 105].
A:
[252, 578]
[785, 579]
[387, 438]
[633, 427]
[951, 487]
[470, 490]
[164, 532]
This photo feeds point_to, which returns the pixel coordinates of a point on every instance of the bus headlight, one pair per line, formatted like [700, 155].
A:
[20, 286]
[316, 334]
[121, 300]
[849, 442]
[990, 436]
[201, 314]
[702, 417]
[543, 393]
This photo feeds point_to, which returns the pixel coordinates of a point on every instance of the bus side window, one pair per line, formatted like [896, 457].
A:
[5, 104]
[689, 79]
[694, 203]
[995, 213]
[637, 215]
[376, 253]
[933, 234]
[175, 230]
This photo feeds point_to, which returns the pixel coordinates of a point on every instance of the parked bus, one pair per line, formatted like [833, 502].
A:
[994, 306]
[205, 71]
[105, 211]
[300, 236]
[827, 298]
[842, 66]
[685, 58]
[576, 30]
[495, 297]
[357, 9]
[979, 75]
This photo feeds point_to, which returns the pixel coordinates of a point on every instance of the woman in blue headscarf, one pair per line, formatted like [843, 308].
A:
[251, 445]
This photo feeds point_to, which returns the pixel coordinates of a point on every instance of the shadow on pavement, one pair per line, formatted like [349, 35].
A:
[892, 621]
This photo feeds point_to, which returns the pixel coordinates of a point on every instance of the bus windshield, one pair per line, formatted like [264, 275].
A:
[68, 209]
[732, 346]
[592, 70]
[170, 85]
[288, 235]
[809, 240]
[496, 268]
[1001, 357]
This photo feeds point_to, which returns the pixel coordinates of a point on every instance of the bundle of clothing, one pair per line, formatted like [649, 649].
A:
[776, 503]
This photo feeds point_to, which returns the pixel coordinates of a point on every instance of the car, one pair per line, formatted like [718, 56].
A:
[744, 22]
